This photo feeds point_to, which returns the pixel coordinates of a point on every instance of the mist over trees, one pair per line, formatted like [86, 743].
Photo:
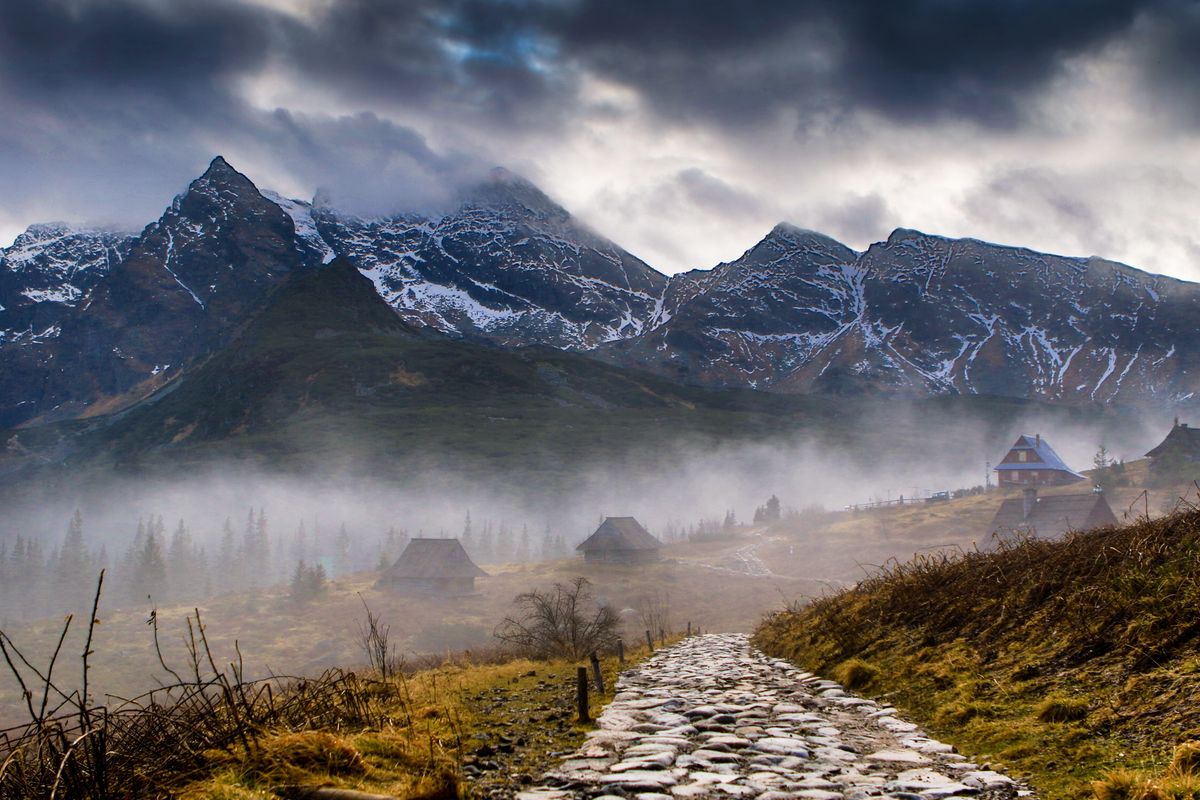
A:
[165, 563]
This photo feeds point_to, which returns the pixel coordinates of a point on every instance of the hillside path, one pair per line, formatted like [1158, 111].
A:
[711, 717]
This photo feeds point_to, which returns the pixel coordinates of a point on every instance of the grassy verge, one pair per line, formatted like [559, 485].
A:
[1062, 661]
[460, 730]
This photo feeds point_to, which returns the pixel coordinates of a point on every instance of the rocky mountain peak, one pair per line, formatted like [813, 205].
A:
[220, 168]
[789, 237]
[507, 192]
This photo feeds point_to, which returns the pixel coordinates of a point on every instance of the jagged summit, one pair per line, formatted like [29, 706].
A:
[785, 234]
[505, 191]
[219, 166]
[86, 315]
[509, 265]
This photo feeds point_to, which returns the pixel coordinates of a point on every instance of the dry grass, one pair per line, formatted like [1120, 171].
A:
[1181, 781]
[214, 734]
[1061, 709]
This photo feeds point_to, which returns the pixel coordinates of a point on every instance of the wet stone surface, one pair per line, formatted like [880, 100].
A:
[713, 718]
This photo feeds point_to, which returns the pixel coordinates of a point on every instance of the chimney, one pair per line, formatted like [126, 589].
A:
[1037, 440]
[1177, 422]
[1029, 501]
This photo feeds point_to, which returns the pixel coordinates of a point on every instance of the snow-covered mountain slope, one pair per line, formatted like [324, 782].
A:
[925, 314]
[92, 320]
[50, 270]
[183, 287]
[508, 265]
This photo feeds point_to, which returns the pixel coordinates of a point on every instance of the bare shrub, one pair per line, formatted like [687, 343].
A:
[148, 745]
[654, 610]
[564, 622]
[373, 638]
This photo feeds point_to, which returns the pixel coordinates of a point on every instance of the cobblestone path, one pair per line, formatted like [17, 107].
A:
[713, 718]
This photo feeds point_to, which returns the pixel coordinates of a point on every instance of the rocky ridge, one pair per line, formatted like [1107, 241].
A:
[91, 320]
[923, 314]
[713, 718]
[180, 289]
[508, 265]
[48, 271]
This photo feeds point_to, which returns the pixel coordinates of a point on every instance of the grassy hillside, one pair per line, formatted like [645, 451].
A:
[1061, 660]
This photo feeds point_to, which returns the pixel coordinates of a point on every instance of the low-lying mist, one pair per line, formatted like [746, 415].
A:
[282, 562]
[228, 527]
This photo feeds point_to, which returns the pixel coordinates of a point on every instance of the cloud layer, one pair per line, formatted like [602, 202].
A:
[683, 129]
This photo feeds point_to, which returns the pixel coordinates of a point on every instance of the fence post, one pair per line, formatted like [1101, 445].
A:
[599, 676]
[621, 652]
[649, 641]
[689, 633]
[581, 690]
[662, 636]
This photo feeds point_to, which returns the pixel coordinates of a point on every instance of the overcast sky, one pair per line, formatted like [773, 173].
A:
[683, 130]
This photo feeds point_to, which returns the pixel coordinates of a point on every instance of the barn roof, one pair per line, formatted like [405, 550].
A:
[434, 558]
[1045, 458]
[1054, 514]
[1182, 438]
[619, 533]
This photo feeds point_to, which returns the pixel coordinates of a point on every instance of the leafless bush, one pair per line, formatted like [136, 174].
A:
[373, 638]
[144, 746]
[654, 610]
[564, 622]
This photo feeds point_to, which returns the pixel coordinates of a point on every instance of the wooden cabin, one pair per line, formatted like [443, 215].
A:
[1177, 453]
[1051, 516]
[432, 566]
[1033, 462]
[620, 540]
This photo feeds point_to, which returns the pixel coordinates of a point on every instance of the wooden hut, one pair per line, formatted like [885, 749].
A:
[1033, 462]
[1051, 516]
[620, 540]
[1178, 454]
[433, 566]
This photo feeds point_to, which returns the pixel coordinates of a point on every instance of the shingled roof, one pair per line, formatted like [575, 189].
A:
[619, 533]
[1054, 515]
[1184, 439]
[430, 559]
[1041, 456]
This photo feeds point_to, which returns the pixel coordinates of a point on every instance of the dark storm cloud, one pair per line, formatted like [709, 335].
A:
[1167, 45]
[908, 59]
[137, 95]
[116, 48]
[517, 63]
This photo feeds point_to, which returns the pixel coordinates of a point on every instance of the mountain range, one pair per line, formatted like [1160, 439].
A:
[95, 321]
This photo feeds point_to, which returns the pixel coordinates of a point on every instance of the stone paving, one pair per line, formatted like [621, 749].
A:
[713, 718]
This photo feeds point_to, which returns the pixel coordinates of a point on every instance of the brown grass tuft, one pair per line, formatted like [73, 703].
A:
[1186, 760]
[856, 674]
[1061, 709]
[1119, 785]
[290, 755]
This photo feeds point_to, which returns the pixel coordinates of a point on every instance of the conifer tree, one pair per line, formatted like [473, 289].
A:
[227, 578]
[484, 548]
[522, 554]
[341, 550]
[468, 536]
[151, 570]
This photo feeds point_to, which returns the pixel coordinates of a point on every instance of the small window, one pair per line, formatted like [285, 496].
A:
[1022, 455]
